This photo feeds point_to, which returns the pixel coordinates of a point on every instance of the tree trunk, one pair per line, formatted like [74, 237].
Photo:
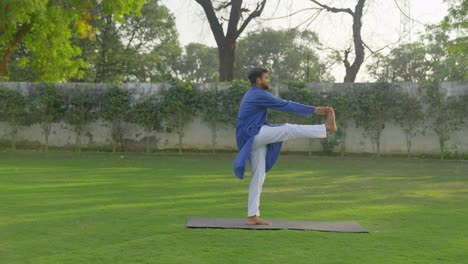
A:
[148, 141]
[78, 141]
[408, 145]
[102, 69]
[442, 148]
[378, 148]
[343, 147]
[121, 139]
[46, 148]
[213, 136]
[377, 136]
[226, 42]
[180, 142]
[353, 69]
[114, 135]
[14, 131]
[226, 54]
[25, 29]
[46, 129]
[310, 147]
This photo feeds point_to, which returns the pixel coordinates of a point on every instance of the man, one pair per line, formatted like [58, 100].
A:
[260, 142]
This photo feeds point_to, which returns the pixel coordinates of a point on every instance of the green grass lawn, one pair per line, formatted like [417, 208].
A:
[104, 208]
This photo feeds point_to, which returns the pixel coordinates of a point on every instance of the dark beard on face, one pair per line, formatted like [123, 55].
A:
[265, 87]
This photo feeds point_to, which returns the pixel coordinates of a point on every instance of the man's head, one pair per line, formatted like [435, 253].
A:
[258, 76]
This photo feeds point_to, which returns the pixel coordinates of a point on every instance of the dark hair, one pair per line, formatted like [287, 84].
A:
[255, 73]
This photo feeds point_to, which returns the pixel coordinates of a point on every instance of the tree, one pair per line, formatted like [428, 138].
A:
[226, 42]
[375, 107]
[406, 63]
[343, 102]
[351, 69]
[410, 116]
[232, 97]
[147, 112]
[116, 110]
[138, 47]
[82, 109]
[445, 115]
[288, 54]
[445, 65]
[199, 64]
[214, 109]
[13, 110]
[456, 21]
[47, 107]
[426, 60]
[45, 29]
[180, 105]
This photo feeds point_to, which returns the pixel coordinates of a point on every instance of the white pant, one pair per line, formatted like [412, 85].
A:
[268, 135]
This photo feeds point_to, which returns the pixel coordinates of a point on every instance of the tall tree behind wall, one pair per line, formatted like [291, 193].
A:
[138, 47]
[352, 69]
[226, 41]
[44, 29]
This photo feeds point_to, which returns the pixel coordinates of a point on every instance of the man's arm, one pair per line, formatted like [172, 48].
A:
[267, 100]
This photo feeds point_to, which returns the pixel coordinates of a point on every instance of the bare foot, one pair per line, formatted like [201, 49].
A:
[330, 124]
[255, 220]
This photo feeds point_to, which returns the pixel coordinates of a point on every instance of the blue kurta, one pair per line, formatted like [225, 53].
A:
[252, 116]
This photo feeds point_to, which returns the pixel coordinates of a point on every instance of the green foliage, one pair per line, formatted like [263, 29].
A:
[44, 29]
[456, 21]
[13, 110]
[47, 107]
[431, 59]
[343, 101]
[231, 99]
[408, 113]
[213, 111]
[375, 107]
[288, 54]
[404, 63]
[82, 109]
[445, 115]
[147, 112]
[180, 105]
[220, 107]
[138, 47]
[199, 63]
[116, 110]
[298, 92]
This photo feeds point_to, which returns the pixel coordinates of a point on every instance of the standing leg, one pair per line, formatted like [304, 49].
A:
[257, 164]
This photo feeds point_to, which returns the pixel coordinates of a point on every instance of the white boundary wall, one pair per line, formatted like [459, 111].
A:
[198, 134]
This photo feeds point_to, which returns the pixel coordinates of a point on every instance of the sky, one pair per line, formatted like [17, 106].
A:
[384, 25]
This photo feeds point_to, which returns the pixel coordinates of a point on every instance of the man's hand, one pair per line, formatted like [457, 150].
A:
[320, 110]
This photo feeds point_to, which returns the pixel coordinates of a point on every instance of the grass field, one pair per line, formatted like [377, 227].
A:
[132, 208]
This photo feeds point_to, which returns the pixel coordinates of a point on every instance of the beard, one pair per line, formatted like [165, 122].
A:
[265, 86]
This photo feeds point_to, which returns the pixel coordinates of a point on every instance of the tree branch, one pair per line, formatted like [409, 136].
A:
[222, 6]
[334, 9]
[345, 60]
[257, 12]
[234, 18]
[216, 27]
[19, 36]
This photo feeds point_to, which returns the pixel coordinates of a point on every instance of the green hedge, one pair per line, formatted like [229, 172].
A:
[369, 107]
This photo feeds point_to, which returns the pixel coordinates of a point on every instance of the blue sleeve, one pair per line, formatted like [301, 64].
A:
[265, 99]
